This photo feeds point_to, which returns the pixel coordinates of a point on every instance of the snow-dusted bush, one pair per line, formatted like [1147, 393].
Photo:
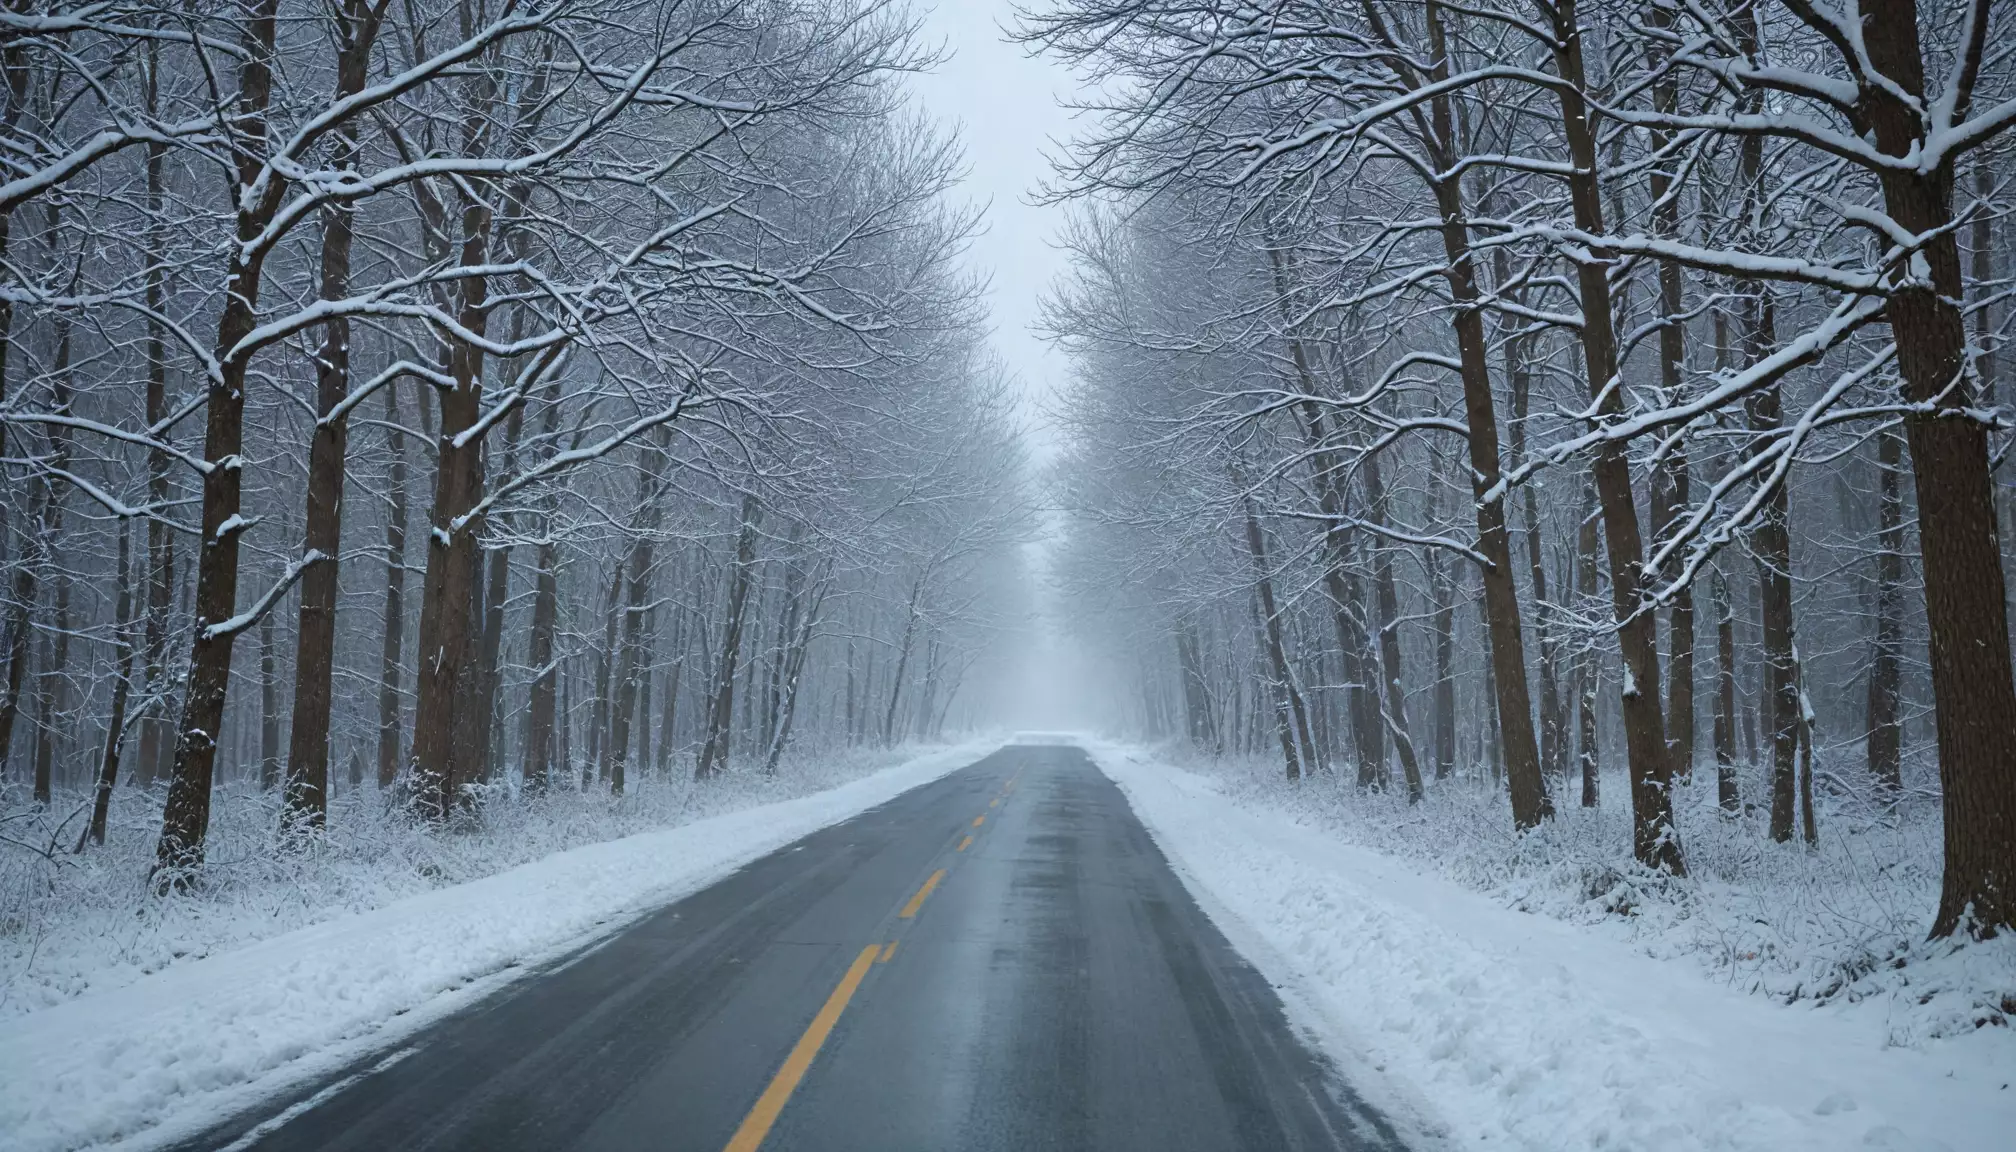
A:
[1845, 920]
[71, 922]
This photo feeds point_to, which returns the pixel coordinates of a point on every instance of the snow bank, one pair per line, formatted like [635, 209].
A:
[1532, 1033]
[159, 1059]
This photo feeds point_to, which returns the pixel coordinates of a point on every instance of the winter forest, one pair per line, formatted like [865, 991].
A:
[1565, 443]
[1588, 405]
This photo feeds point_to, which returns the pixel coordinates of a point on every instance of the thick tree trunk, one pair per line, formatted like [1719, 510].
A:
[1655, 840]
[1530, 801]
[306, 801]
[1965, 598]
[185, 821]
[446, 716]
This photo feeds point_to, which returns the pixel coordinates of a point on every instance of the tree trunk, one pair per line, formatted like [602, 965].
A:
[650, 507]
[56, 653]
[489, 660]
[1670, 493]
[1388, 601]
[597, 767]
[538, 760]
[1771, 544]
[1885, 716]
[794, 671]
[1725, 696]
[1586, 665]
[902, 661]
[185, 821]
[1291, 718]
[269, 706]
[1530, 801]
[1655, 840]
[721, 709]
[306, 801]
[156, 734]
[447, 713]
[395, 600]
[115, 725]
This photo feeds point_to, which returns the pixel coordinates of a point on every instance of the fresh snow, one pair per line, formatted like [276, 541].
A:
[1507, 1029]
[165, 1056]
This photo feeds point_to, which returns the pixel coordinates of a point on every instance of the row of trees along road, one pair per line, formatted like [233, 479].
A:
[1644, 326]
[540, 389]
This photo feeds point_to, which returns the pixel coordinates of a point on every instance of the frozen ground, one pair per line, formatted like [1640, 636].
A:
[1516, 1030]
[241, 1007]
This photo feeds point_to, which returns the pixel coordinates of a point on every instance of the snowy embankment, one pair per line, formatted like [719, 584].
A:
[1530, 1032]
[160, 1058]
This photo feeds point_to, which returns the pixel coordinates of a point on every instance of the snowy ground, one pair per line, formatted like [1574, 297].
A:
[140, 1059]
[1510, 1029]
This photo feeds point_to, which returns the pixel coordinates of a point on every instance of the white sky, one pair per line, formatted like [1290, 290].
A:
[1004, 105]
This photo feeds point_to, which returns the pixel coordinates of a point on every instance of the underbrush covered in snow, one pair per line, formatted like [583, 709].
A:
[73, 923]
[1497, 1028]
[1843, 921]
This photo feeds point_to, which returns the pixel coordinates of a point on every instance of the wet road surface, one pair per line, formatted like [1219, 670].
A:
[1001, 959]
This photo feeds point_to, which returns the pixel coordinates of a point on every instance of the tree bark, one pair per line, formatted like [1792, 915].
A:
[156, 732]
[1965, 604]
[1655, 840]
[1725, 695]
[306, 800]
[445, 717]
[1586, 667]
[395, 599]
[1886, 672]
[269, 706]
[185, 821]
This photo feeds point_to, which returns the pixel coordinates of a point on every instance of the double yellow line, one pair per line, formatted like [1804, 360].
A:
[756, 1125]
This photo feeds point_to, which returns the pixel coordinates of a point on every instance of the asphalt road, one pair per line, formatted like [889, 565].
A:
[999, 960]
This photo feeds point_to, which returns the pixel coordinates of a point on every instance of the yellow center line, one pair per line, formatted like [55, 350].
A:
[979, 820]
[888, 950]
[756, 1125]
[963, 843]
[917, 901]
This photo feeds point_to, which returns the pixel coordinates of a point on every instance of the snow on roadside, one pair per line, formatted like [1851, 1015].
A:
[159, 1059]
[1528, 1032]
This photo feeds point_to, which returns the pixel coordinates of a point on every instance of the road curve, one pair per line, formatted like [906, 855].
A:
[1001, 959]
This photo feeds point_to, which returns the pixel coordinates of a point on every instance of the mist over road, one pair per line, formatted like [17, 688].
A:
[1001, 959]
